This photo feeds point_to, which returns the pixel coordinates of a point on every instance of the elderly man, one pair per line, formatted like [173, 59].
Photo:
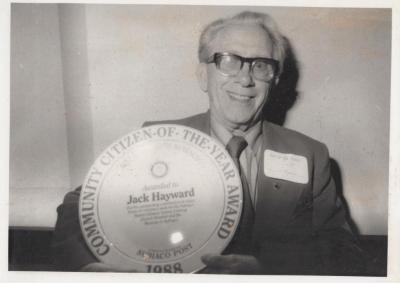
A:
[293, 221]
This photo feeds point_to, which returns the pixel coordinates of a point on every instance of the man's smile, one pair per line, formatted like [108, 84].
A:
[240, 97]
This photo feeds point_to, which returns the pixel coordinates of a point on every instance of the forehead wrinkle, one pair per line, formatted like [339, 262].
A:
[244, 40]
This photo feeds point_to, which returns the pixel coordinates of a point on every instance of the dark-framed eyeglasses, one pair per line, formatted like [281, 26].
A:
[229, 64]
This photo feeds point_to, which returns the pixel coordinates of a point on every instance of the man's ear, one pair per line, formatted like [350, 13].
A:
[201, 73]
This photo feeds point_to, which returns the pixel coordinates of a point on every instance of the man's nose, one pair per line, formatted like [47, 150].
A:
[244, 76]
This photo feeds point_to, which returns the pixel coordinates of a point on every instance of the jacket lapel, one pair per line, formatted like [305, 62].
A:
[276, 199]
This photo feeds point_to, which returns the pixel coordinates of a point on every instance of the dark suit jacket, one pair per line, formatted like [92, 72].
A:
[299, 228]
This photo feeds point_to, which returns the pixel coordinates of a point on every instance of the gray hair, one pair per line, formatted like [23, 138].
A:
[265, 21]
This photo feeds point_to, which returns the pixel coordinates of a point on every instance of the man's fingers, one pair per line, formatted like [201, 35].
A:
[101, 267]
[217, 261]
[231, 264]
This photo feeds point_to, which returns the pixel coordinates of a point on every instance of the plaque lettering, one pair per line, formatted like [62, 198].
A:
[159, 198]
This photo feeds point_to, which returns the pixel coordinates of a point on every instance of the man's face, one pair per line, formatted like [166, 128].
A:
[237, 101]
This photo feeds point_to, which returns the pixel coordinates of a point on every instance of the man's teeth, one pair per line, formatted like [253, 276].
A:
[239, 97]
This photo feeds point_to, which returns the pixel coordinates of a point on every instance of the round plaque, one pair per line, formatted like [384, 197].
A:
[159, 198]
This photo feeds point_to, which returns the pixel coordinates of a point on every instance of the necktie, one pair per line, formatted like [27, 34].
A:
[242, 239]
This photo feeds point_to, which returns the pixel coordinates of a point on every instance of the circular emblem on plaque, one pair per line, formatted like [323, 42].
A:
[159, 169]
[159, 198]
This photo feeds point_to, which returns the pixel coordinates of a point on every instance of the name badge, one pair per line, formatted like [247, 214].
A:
[286, 166]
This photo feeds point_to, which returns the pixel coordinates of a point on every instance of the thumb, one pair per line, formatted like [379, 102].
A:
[217, 261]
[209, 259]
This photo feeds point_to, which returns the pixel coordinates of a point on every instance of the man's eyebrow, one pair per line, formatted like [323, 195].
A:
[248, 57]
[245, 57]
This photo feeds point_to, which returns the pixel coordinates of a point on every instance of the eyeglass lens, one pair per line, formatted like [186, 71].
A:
[232, 64]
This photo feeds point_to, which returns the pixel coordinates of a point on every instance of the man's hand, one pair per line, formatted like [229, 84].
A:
[102, 267]
[231, 264]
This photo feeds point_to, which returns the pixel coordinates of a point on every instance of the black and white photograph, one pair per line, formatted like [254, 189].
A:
[203, 139]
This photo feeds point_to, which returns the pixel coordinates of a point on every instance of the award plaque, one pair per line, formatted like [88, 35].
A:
[159, 198]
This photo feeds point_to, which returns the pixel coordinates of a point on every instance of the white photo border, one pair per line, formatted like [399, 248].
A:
[394, 173]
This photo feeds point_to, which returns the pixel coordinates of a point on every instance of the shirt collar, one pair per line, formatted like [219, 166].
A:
[224, 135]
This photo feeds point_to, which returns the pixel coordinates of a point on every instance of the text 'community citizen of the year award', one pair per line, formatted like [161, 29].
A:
[159, 198]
